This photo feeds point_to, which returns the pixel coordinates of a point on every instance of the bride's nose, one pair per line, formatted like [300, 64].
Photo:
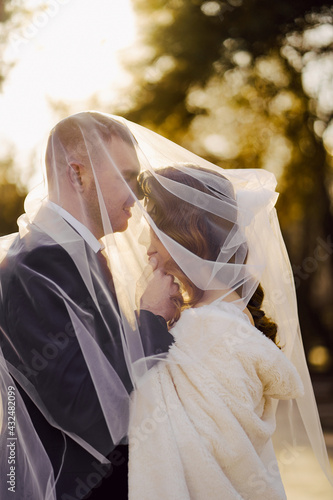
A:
[151, 249]
[144, 239]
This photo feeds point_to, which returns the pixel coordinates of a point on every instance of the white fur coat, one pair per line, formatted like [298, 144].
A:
[202, 420]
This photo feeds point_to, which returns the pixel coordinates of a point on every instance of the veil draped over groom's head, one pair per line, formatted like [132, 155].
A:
[93, 162]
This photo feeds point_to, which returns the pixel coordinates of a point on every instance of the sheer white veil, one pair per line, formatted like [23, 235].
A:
[236, 209]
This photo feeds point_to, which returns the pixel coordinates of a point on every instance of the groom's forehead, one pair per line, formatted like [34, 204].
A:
[120, 156]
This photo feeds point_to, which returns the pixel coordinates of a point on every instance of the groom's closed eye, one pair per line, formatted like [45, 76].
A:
[131, 178]
[129, 174]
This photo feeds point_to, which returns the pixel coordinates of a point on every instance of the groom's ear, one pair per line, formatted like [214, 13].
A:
[75, 173]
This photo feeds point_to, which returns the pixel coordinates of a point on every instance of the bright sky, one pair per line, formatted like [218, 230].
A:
[69, 52]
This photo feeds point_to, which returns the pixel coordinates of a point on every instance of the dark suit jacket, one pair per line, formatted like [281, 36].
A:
[39, 341]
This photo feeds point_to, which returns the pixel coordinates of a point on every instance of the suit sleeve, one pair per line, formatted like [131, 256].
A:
[154, 333]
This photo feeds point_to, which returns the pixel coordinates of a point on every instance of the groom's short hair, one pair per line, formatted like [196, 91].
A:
[78, 137]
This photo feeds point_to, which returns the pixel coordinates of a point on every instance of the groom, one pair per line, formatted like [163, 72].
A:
[58, 254]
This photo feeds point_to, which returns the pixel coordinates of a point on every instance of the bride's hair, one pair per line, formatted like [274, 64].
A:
[193, 228]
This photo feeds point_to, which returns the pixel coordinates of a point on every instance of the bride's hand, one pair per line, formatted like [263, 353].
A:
[159, 290]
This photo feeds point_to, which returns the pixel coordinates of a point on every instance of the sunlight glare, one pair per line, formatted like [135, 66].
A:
[68, 56]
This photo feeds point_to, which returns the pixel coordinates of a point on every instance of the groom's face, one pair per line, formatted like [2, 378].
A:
[117, 174]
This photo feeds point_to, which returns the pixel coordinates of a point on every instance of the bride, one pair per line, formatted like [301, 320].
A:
[226, 367]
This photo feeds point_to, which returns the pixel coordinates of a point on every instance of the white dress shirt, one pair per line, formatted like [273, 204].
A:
[78, 226]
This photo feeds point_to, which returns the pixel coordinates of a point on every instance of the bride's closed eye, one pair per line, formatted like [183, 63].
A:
[150, 207]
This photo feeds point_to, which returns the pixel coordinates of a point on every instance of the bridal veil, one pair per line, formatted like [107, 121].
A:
[251, 251]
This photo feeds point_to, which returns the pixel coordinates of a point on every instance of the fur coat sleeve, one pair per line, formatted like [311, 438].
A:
[202, 420]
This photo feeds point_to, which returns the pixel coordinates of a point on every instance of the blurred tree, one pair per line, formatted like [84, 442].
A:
[11, 197]
[12, 15]
[5, 16]
[189, 41]
[226, 80]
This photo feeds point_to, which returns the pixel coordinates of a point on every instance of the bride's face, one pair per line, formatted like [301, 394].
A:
[158, 251]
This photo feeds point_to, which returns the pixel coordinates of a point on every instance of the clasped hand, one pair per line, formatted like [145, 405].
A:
[159, 289]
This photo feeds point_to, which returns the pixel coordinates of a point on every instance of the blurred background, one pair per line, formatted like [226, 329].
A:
[243, 83]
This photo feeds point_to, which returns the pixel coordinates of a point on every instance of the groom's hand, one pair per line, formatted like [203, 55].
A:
[157, 297]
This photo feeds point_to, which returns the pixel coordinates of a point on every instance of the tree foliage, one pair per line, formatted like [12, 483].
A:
[226, 79]
[11, 197]
[189, 41]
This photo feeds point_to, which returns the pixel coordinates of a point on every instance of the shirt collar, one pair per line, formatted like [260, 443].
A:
[83, 231]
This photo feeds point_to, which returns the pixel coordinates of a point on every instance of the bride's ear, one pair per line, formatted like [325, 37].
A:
[75, 175]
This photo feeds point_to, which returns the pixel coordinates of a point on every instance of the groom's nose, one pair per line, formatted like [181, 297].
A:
[135, 193]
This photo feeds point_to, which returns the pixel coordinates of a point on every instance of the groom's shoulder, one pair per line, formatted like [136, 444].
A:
[32, 256]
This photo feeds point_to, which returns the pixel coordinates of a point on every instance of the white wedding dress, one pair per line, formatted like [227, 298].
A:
[202, 420]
